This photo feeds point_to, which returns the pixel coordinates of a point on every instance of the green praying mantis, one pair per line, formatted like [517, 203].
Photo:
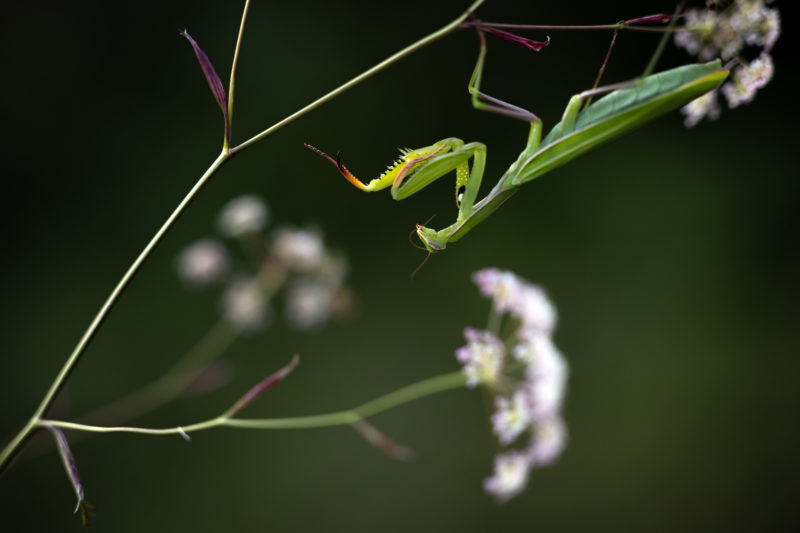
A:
[624, 107]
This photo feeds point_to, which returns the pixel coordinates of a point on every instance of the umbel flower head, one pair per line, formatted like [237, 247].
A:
[526, 374]
[732, 33]
[294, 259]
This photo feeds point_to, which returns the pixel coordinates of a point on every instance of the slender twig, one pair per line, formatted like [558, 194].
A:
[235, 64]
[651, 66]
[13, 447]
[454, 380]
[603, 66]
[590, 27]
[425, 41]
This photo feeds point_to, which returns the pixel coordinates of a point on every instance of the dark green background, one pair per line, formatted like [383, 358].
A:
[671, 255]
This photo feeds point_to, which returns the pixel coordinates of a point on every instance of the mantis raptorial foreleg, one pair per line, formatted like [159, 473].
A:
[418, 168]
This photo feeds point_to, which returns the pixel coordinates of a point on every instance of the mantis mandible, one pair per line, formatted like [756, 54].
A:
[624, 107]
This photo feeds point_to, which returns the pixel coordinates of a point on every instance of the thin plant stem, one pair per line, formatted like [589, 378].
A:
[590, 27]
[651, 66]
[16, 443]
[425, 41]
[603, 66]
[235, 64]
[421, 389]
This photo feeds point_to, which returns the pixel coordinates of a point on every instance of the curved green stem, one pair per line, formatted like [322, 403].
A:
[454, 380]
[232, 81]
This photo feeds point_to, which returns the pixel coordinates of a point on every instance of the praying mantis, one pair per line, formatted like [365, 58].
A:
[624, 107]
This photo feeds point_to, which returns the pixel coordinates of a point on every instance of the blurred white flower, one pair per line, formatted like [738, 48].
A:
[510, 476]
[747, 80]
[546, 393]
[699, 108]
[244, 305]
[727, 34]
[309, 303]
[539, 355]
[299, 249]
[499, 285]
[766, 30]
[534, 310]
[756, 23]
[203, 263]
[482, 357]
[697, 42]
[243, 215]
[549, 440]
[523, 300]
[512, 416]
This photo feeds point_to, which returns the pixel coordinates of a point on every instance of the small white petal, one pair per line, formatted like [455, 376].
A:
[510, 476]
[243, 215]
[549, 440]
[501, 286]
[512, 416]
[534, 309]
[298, 248]
[203, 263]
[699, 108]
[244, 305]
[482, 357]
[546, 373]
[309, 304]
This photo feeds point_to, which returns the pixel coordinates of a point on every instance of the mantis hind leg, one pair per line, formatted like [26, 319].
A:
[484, 102]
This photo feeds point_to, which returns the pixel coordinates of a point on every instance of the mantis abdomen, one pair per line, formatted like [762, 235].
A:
[617, 113]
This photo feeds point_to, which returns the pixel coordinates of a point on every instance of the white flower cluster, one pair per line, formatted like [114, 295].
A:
[726, 33]
[293, 258]
[747, 80]
[528, 379]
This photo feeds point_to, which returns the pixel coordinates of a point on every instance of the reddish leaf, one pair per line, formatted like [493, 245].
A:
[213, 81]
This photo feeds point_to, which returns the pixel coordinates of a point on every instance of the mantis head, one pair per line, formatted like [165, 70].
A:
[434, 241]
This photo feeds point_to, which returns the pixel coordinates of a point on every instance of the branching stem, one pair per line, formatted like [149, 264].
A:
[35, 422]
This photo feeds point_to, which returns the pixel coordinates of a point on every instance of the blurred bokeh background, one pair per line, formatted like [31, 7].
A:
[671, 255]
